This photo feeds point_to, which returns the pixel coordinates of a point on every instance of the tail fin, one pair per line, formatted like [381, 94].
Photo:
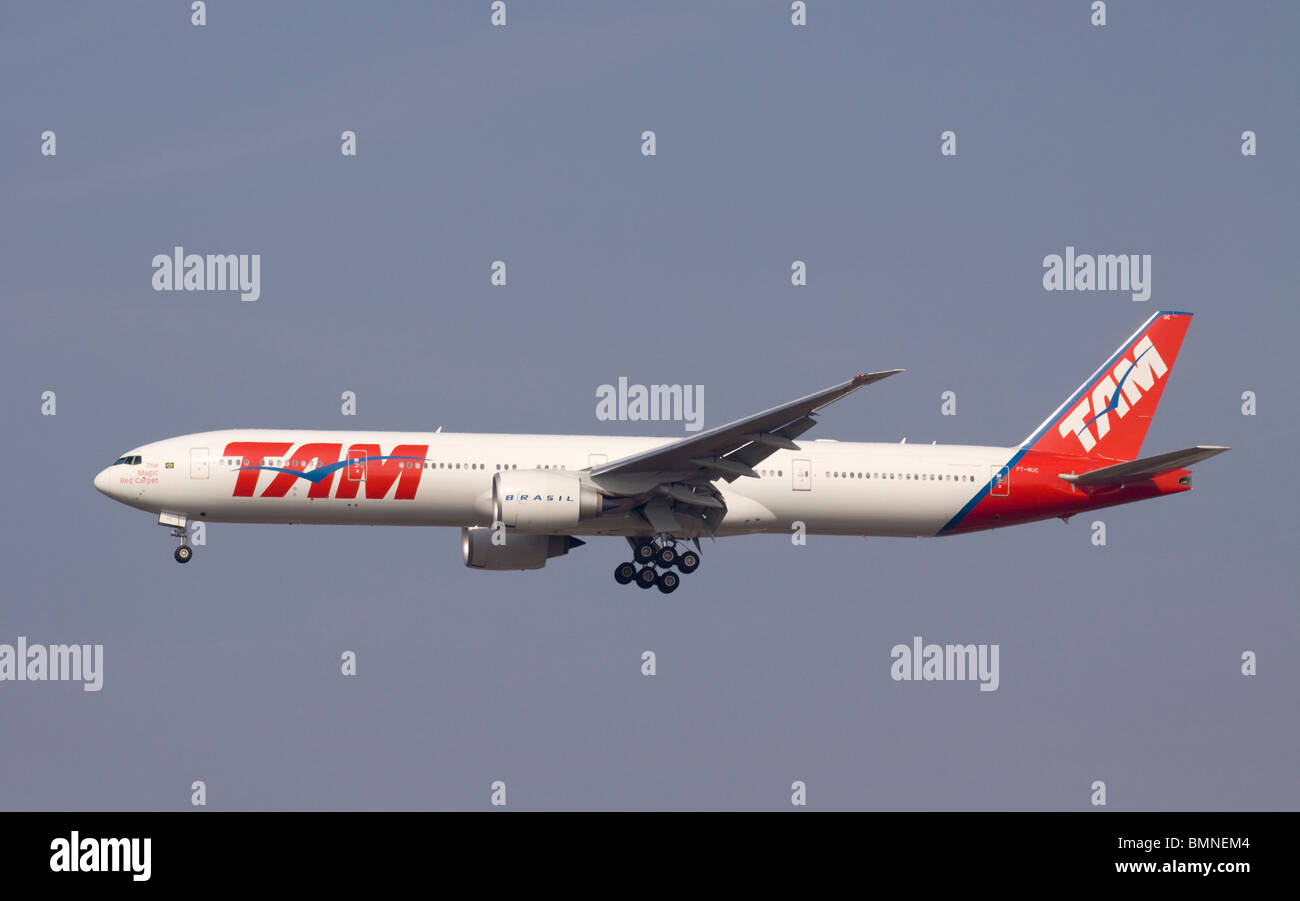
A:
[1108, 416]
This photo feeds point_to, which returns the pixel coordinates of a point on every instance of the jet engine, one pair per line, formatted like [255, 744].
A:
[543, 500]
[520, 551]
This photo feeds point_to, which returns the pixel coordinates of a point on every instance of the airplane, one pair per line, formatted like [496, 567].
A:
[521, 500]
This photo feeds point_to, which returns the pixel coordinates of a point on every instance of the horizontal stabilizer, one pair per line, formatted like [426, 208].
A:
[1145, 468]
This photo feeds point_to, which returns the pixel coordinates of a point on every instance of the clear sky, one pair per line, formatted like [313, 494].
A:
[775, 143]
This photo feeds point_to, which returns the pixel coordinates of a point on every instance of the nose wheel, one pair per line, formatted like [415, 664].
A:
[653, 563]
[183, 553]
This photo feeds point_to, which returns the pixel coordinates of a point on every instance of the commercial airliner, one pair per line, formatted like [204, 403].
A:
[520, 500]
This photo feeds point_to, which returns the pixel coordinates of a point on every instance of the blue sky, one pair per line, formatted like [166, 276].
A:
[1119, 663]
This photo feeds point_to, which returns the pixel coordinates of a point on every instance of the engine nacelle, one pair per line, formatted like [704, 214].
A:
[519, 552]
[543, 500]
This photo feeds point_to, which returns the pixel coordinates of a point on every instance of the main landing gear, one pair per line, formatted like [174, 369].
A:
[663, 555]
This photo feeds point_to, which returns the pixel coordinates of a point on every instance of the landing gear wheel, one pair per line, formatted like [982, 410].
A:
[183, 553]
[644, 552]
[668, 581]
[624, 573]
[645, 577]
[688, 562]
[666, 556]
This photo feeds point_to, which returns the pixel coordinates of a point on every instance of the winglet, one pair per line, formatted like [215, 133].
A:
[866, 378]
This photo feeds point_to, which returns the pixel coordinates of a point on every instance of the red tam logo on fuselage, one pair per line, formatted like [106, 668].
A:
[364, 464]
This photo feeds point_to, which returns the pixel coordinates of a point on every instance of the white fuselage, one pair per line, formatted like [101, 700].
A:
[831, 487]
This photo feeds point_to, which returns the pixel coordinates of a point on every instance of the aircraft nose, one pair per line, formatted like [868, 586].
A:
[103, 481]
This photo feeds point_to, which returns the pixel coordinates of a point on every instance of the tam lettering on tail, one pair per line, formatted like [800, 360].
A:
[1108, 416]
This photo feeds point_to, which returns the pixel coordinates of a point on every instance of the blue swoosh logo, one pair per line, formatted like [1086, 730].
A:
[1114, 399]
[321, 472]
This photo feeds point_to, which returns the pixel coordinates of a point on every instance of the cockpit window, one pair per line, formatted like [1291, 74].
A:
[129, 461]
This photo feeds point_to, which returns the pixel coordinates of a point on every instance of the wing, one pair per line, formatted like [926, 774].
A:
[1145, 468]
[683, 470]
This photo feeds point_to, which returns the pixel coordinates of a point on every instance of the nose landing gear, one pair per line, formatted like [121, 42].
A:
[179, 524]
